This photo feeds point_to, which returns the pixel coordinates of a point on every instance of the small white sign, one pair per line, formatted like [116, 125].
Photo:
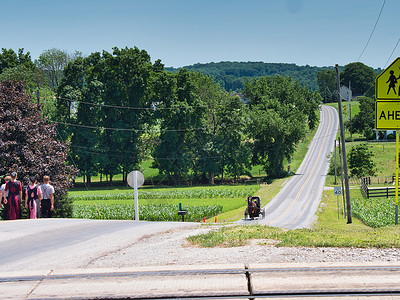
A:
[337, 190]
[136, 179]
[139, 179]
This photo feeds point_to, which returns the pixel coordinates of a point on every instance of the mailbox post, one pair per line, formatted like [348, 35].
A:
[182, 212]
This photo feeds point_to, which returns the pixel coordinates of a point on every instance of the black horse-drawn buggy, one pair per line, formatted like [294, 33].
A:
[254, 209]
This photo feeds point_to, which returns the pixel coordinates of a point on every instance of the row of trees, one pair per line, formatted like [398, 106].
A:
[118, 109]
[233, 75]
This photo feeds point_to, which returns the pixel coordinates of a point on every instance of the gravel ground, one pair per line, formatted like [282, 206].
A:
[172, 248]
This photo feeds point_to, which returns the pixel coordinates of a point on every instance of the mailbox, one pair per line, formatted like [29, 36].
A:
[182, 213]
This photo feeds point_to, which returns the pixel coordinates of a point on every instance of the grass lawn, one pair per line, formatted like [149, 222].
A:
[330, 231]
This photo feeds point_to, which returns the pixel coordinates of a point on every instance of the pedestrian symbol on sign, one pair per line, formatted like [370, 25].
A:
[392, 82]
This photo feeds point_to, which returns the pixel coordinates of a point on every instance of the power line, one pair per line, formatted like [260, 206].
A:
[392, 53]
[120, 155]
[373, 30]
[130, 107]
[132, 130]
[72, 159]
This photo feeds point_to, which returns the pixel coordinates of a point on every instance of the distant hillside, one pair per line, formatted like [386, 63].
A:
[232, 75]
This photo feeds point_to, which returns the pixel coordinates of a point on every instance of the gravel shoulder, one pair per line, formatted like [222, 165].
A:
[172, 248]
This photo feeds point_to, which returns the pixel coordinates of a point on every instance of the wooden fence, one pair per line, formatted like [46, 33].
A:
[378, 191]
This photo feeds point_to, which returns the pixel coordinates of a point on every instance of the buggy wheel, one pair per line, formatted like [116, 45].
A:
[263, 213]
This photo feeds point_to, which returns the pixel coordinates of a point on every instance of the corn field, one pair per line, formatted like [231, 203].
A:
[173, 194]
[149, 212]
[374, 212]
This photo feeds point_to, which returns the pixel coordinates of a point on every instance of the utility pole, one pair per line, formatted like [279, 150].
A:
[349, 96]
[335, 165]
[341, 174]
[345, 171]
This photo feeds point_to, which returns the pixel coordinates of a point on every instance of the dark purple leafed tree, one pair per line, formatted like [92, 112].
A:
[29, 145]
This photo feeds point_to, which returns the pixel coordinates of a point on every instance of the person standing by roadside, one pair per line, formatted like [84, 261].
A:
[48, 198]
[1, 193]
[14, 197]
[4, 195]
[33, 196]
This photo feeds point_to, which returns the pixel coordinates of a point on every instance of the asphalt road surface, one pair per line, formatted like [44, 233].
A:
[70, 243]
[297, 202]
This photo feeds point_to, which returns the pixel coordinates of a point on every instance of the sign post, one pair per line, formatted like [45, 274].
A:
[135, 180]
[337, 190]
[387, 111]
[397, 180]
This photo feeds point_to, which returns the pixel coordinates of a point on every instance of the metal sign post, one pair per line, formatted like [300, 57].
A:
[397, 180]
[337, 190]
[136, 179]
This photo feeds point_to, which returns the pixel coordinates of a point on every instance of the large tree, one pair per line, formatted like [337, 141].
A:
[180, 121]
[361, 77]
[327, 85]
[29, 145]
[360, 161]
[234, 151]
[19, 67]
[10, 59]
[52, 63]
[281, 111]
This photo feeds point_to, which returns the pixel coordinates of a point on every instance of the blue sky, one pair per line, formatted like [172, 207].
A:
[185, 32]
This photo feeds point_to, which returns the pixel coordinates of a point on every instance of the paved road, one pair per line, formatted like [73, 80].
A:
[49, 244]
[297, 202]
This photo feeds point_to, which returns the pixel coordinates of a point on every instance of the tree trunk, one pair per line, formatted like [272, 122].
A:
[88, 180]
[211, 178]
[177, 179]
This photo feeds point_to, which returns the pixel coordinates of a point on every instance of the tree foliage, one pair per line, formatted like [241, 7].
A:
[233, 75]
[327, 85]
[29, 146]
[52, 63]
[117, 108]
[360, 161]
[280, 111]
[364, 121]
[362, 78]
[95, 93]
[10, 59]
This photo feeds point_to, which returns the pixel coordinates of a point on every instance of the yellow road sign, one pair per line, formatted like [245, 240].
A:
[387, 84]
[387, 115]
